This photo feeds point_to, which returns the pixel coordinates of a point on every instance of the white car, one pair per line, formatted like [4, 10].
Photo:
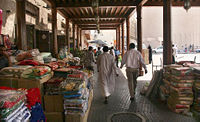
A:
[158, 50]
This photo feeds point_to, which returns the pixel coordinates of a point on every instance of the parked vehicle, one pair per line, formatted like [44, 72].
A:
[197, 50]
[158, 50]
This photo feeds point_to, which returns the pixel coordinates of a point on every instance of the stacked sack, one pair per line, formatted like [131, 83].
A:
[196, 89]
[181, 94]
[36, 72]
[75, 96]
[12, 106]
[165, 86]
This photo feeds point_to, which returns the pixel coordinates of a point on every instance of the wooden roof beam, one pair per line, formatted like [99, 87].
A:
[141, 2]
[99, 7]
[177, 3]
[101, 4]
[130, 12]
[94, 23]
[100, 29]
[100, 16]
[90, 26]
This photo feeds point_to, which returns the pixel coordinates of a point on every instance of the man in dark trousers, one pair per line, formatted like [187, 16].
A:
[132, 58]
[150, 54]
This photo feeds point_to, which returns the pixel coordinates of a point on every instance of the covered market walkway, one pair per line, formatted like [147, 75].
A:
[96, 15]
[152, 111]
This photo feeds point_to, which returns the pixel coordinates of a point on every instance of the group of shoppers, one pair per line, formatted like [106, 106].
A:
[107, 69]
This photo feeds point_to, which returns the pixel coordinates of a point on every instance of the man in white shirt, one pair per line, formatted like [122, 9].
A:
[132, 58]
[107, 71]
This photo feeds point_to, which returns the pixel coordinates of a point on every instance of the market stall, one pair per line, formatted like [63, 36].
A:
[63, 85]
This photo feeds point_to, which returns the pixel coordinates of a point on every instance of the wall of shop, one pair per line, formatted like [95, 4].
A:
[9, 17]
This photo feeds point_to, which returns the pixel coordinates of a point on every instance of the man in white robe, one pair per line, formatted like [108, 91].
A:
[107, 72]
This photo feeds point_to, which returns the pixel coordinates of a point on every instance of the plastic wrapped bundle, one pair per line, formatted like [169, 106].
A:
[72, 84]
[168, 68]
[38, 58]
[36, 72]
[13, 71]
[51, 87]
[182, 71]
[10, 100]
[27, 55]
[52, 65]
[29, 62]
[21, 114]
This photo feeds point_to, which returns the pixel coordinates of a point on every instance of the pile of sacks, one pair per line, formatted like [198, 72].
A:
[196, 88]
[165, 86]
[181, 94]
[12, 106]
[76, 96]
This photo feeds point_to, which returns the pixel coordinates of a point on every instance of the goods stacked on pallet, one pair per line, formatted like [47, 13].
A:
[12, 106]
[196, 88]
[181, 94]
[165, 86]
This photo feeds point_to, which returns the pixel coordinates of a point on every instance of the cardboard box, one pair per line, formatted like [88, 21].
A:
[53, 103]
[79, 118]
[9, 82]
[30, 83]
[54, 116]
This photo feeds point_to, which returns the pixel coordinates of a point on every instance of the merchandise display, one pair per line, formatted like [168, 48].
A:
[14, 71]
[196, 89]
[181, 94]
[12, 105]
[70, 87]
[36, 72]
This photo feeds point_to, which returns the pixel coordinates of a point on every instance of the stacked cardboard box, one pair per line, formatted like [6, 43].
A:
[181, 94]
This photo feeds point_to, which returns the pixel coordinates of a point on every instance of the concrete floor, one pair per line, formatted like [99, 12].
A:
[119, 102]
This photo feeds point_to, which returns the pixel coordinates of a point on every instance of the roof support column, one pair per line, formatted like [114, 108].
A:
[122, 39]
[139, 28]
[54, 31]
[128, 33]
[81, 39]
[119, 43]
[167, 44]
[67, 34]
[139, 33]
[78, 39]
[21, 25]
[74, 42]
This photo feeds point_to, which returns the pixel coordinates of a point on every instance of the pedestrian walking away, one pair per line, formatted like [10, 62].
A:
[89, 59]
[132, 58]
[150, 54]
[107, 71]
[112, 52]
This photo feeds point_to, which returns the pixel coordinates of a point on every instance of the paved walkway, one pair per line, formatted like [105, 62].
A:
[119, 102]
